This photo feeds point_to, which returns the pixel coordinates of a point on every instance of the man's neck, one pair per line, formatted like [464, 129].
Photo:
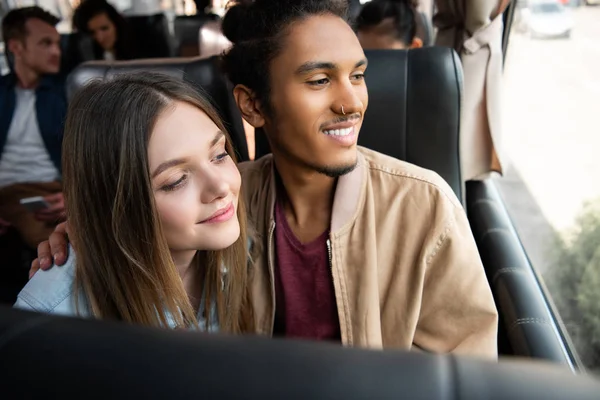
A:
[26, 77]
[307, 199]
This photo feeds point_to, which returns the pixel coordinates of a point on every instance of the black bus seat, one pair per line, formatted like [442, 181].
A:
[75, 358]
[529, 326]
[76, 48]
[201, 72]
[187, 28]
[152, 37]
[16, 258]
[414, 109]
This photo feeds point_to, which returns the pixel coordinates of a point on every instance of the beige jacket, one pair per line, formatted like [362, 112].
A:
[405, 267]
[474, 29]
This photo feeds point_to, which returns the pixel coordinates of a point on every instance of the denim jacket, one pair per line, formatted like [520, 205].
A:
[53, 292]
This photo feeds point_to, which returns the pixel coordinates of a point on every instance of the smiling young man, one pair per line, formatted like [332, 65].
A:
[354, 246]
[351, 245]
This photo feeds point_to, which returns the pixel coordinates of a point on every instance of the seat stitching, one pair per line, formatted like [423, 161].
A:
[525, 321]
[505, 270]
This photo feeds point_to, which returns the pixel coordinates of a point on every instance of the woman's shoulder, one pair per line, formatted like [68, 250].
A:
[51, 291]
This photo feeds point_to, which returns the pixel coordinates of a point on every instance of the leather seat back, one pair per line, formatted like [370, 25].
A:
[202, 73]
[187, 30]
[109, 360]
[76, 48]
[528, 325]
[152, 38]
[414, 108]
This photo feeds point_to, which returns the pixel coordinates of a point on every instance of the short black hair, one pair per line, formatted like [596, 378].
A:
[257, 29]
[14, 23]
[403, 13]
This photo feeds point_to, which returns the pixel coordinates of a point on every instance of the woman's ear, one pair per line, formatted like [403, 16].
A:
[248, 105]
[416, 43]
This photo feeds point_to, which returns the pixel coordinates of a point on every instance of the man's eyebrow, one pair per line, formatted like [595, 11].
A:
[361, 63]
[314, 65]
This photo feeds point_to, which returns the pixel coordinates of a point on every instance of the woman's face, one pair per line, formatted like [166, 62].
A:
[196, 183]
[104, 31]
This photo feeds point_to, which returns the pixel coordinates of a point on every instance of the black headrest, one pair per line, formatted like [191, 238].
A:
[414, 108]
[202, 73]
[187, 27]
[76, 48]
[152, 38]
[47, 356]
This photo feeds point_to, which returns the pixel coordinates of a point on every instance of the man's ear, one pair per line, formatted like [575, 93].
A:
[15, 47]
[249, 106]
[416, 43]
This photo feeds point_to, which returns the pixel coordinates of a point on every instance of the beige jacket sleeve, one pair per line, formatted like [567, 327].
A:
[458, 313]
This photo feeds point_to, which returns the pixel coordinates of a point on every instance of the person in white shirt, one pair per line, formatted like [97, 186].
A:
[33, 105]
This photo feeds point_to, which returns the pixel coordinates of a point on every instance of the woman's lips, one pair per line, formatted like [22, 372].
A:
[222, 215]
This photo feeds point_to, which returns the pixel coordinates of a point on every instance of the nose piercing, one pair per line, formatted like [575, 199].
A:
[343, 113]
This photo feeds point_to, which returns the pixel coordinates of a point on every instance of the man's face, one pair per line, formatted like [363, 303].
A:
[319, 70]
[40, 50]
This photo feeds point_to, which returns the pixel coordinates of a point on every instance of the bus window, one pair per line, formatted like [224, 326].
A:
[550, 126]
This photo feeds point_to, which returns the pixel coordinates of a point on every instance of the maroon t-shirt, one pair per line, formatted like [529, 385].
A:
[304, 293]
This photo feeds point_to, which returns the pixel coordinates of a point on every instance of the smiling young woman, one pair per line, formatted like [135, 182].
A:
[151, 191]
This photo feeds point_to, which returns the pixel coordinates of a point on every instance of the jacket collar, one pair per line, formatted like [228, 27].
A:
[46, 81]
[346, 200]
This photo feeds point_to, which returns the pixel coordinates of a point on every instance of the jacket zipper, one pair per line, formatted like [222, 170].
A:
[271, 275]
[334, 289]
[329, 253]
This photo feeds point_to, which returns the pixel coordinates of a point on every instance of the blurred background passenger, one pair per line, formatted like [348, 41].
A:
[110, 32]
[388, 24]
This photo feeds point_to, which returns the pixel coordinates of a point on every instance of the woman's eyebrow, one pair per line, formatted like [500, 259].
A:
[218, 136]
[178, 161]
[168, 164]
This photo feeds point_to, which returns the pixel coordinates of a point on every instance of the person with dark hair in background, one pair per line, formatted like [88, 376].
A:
[32, 109]
[203, 6]
[351, 245]
[388, 24]
[109, 29]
